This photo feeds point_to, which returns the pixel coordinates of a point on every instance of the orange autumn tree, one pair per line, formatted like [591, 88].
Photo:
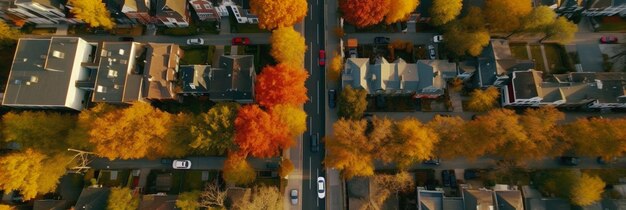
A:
[281, 84]
[288, 46]
[273, 14]
[400, 10]
[363, 13]
[237, 170]
[259, 134]
[506, 16]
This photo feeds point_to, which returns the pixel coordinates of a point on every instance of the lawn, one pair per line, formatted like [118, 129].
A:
[609, 176]
[205, 27]
[557, 62]
[519, 50]
[6, 58]
[535, 51]
[105, 178]
[193, 181]
[195, 55]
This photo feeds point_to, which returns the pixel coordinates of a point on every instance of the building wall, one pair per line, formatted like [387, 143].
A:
[204, 9]
[75, 96]
[40, 14]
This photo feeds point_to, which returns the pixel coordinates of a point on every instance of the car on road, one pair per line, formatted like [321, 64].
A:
[431, 50]
[127, 39]
[445, 178]
[195, 41]
[321, 187]
[241, 41]
[438, 38]
[294, 197]
[315, 143]
[608, 40]
[381, 40]
[322, 58]
[433, 161]
[569, 160]
[181, 164]
[332, 98]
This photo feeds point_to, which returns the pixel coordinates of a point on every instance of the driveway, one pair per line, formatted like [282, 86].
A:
[590, 57]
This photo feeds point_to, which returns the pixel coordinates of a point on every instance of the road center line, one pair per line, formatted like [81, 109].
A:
[310, 126]
[311, 10]
[318, 175]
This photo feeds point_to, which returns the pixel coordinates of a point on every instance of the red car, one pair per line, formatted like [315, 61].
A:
[322, 59]
[608, 40]
[241, 41]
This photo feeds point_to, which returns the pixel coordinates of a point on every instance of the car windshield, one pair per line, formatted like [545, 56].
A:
[320, 186]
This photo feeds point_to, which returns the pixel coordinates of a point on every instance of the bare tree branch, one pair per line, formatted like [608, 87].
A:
[212, 195]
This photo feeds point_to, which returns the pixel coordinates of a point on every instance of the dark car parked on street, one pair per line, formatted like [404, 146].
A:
[569, 160]
[381, 40]
[445, 178]
[315, 143]
[332, 98]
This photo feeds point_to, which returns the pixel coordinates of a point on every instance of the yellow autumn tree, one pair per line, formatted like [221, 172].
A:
[43, 131]
[135, 132]
[274, 14]
[291, 116]
[121, 198]
[597, 137]
[543, 131]
[587, 190]
[400, 10]
[6, 207]
[412, 142]
[78, 137]
[506, 16]
[288, 46]
[31, 172]
[8, 35]
[451, 141]
[335, 67]
[349, 150]
[93, 12]
[444, 11]
[237, 170]
[483, 100]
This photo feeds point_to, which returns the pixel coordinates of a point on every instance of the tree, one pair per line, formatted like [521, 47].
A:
[556, 182]
[444, 11]
[291, 116]
[363, 13]
[212, 196]
[500, 133]
[412, 142]
[400, 182]
[288, 46]
[561, 30]
[6, 207]
[53, 168]
[78, 137]
[335, 67]
[262, 197]
[451, 140]
[135, 132]
[188, 200]
[215, 130]
[483, 100]
[274, 14]
[8, 35]
[237, 171]
[93, 12]
[349, 150]
[544, 134]
[597, 137]
[281, 84]
[121, 198]
[538, 19]
[587, 190]
[21, 171]
[179, 136]
[352, 103]
[286, 167]
[400, 10]
[380, 133]
[467, 35]
[506, 16]
[39, 130]
[259, 134]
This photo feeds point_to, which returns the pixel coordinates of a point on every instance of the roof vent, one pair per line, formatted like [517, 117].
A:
[117, 87]
[103, 53]
[34, 79]
[112, 74]
[58, 54]
[17, 82]
[121, 52]
[25, 59]
[101, 89]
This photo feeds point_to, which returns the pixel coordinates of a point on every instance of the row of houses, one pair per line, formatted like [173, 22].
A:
[520, 84]
[69, 72]
[170, 13]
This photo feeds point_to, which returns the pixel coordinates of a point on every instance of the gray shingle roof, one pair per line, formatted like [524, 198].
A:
[160, 70]
[93, 199]
[118, 79]
[232, 80]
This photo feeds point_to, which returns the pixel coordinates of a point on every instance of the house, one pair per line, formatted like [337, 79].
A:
[93, 198]
[481, 199]
[139, 11]
[44, 73]
[508, 199]
[573, 90]
[495, 63]
[172, 13]
[533, 200]
[424, 79]
[160, 72]
[41, 11]
[118, 79]
[605, 8]
[241, 10]
[205, 9]
[115, 8]
[435, 200]
[232, 80]
[158, 202]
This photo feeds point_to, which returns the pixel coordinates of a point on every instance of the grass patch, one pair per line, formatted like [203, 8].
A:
[535, 51]
[519, 51]
[556, 61]
[195, 55]
[105, 178]
[205, 27]
[193, 181]
[609, 175]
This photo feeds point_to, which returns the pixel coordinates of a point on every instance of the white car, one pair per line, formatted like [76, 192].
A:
[294, 197]
[195, 41]
[431, 50]
[181, 164]
[438, 38]
[321, 187]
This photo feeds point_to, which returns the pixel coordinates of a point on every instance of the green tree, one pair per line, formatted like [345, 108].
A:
[121, 198]
[93, 12]
[188, 200]
[215, 130]
[352, 103]
[444, 11]
[483, 100]
[39, 130]
[561, 30]
[587, 190]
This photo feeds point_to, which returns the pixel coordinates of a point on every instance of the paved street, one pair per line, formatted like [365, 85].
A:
[197, 163]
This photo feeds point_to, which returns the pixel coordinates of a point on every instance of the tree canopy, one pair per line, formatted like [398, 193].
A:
[121, 198]
[506, 16]
[413, 142]
[294, 118]
[349, 150]
[93, 12]
[352, 103]
[597, 137]
[237, 171]
[400, 10]
[444, 11]
[8, 35]
[215, 130]
[31, 172]
[467, 35]
[261, 197]
[451, 139]
[259, 134]
[274, 14]
[288, 46]
[483, 100]
[44, 131]
[281, 84]
[363, 13]
[538, 19]
[587, 190]
[188, 200]
[561, 30]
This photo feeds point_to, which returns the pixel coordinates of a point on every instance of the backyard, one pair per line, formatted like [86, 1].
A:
[197, 55]
[556, 57]
[120, 179]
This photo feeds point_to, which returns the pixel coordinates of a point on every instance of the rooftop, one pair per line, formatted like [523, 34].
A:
[478, 199]
[118, 80]
[160, 70]
[93, 199]
[232, 80]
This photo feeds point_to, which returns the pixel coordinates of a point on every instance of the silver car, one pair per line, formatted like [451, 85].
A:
[195, 41]
[321, 187]
[294, 197]
[181, 164]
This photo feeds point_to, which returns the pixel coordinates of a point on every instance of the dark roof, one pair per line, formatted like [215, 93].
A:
[496, 59]
[429, 200]
[232, 80]
[51, 205]
[118, 79]
[527, 84]
[42, 70]
[160, 71]
[478, 199]
[509, 200]
[93, 199]
[423, 8]
[158, 202]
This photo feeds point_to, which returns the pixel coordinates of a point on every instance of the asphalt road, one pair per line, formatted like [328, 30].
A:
[315, 109]
[197, 163]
